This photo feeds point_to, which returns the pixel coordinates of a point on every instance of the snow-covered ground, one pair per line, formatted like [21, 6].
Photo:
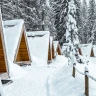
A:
[34, 82]
[62, 83]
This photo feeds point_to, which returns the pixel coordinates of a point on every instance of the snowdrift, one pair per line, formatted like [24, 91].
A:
[63, 84]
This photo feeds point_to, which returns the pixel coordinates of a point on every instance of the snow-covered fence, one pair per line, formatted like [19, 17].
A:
[86, 74]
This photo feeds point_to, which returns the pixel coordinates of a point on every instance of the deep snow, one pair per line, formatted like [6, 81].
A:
[34, 82]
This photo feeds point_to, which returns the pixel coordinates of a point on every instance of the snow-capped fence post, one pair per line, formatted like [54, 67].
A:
[73, 60]
[73, 74]
[86, 82]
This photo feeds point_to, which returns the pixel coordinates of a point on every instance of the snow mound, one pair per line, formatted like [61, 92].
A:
[16, 71]
[63, 84]
[38, 61]
[59, 61]
[55, 45]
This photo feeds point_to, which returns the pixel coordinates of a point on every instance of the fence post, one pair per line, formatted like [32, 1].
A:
[86, 82]
[73, 74]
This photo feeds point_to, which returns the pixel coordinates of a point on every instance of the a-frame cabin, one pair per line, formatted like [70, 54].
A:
[22, 56]
[53, 51]
[49, 52]
[3, 57]
[59, 49]
[92, 53]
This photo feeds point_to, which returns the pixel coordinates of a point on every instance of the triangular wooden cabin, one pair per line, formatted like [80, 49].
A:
[92, 53]
[53, 51]
[38, 42]
[50, 51]
[3, 57]
[59, 49]
[22, 56]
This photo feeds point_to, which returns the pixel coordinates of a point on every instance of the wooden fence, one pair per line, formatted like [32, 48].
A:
[87, 76]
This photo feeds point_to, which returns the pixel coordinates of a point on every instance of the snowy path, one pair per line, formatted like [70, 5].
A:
[34, 83]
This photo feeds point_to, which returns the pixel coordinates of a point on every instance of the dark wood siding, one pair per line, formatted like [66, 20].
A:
[59, 49]
[22, 54]
[92, 53]
[2, 58]
[49, 53]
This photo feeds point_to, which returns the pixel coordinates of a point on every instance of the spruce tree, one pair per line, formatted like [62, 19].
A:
[61, 11]
[79, 18]
[71, 33]
[91, 20]
[84, 35]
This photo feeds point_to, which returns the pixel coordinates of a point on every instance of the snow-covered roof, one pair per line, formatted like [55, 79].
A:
[38, 42]
[86, 49]
[12, 31]
[37, 33]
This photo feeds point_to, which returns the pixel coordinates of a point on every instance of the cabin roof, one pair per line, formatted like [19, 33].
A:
[12, 31]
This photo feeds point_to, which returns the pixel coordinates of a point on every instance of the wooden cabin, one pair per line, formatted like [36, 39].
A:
[22, 56]
[59, 49]
[92, 53]
[53, 51]
[50, 51]
[3, 57]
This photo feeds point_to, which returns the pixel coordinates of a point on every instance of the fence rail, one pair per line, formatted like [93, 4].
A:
[86, 74]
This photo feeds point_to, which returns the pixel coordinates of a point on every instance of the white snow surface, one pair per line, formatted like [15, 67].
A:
[2, 93]
[84, 48]
[38, 46]
[35, 81]
[55, 45]
[51, 41]
[62, 83]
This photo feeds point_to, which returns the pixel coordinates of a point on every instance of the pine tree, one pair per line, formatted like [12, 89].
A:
[91, 20]
[49, 18]
[84, 35]
[29, 10]
[71, 33]
[61, 11]
[79, 18]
